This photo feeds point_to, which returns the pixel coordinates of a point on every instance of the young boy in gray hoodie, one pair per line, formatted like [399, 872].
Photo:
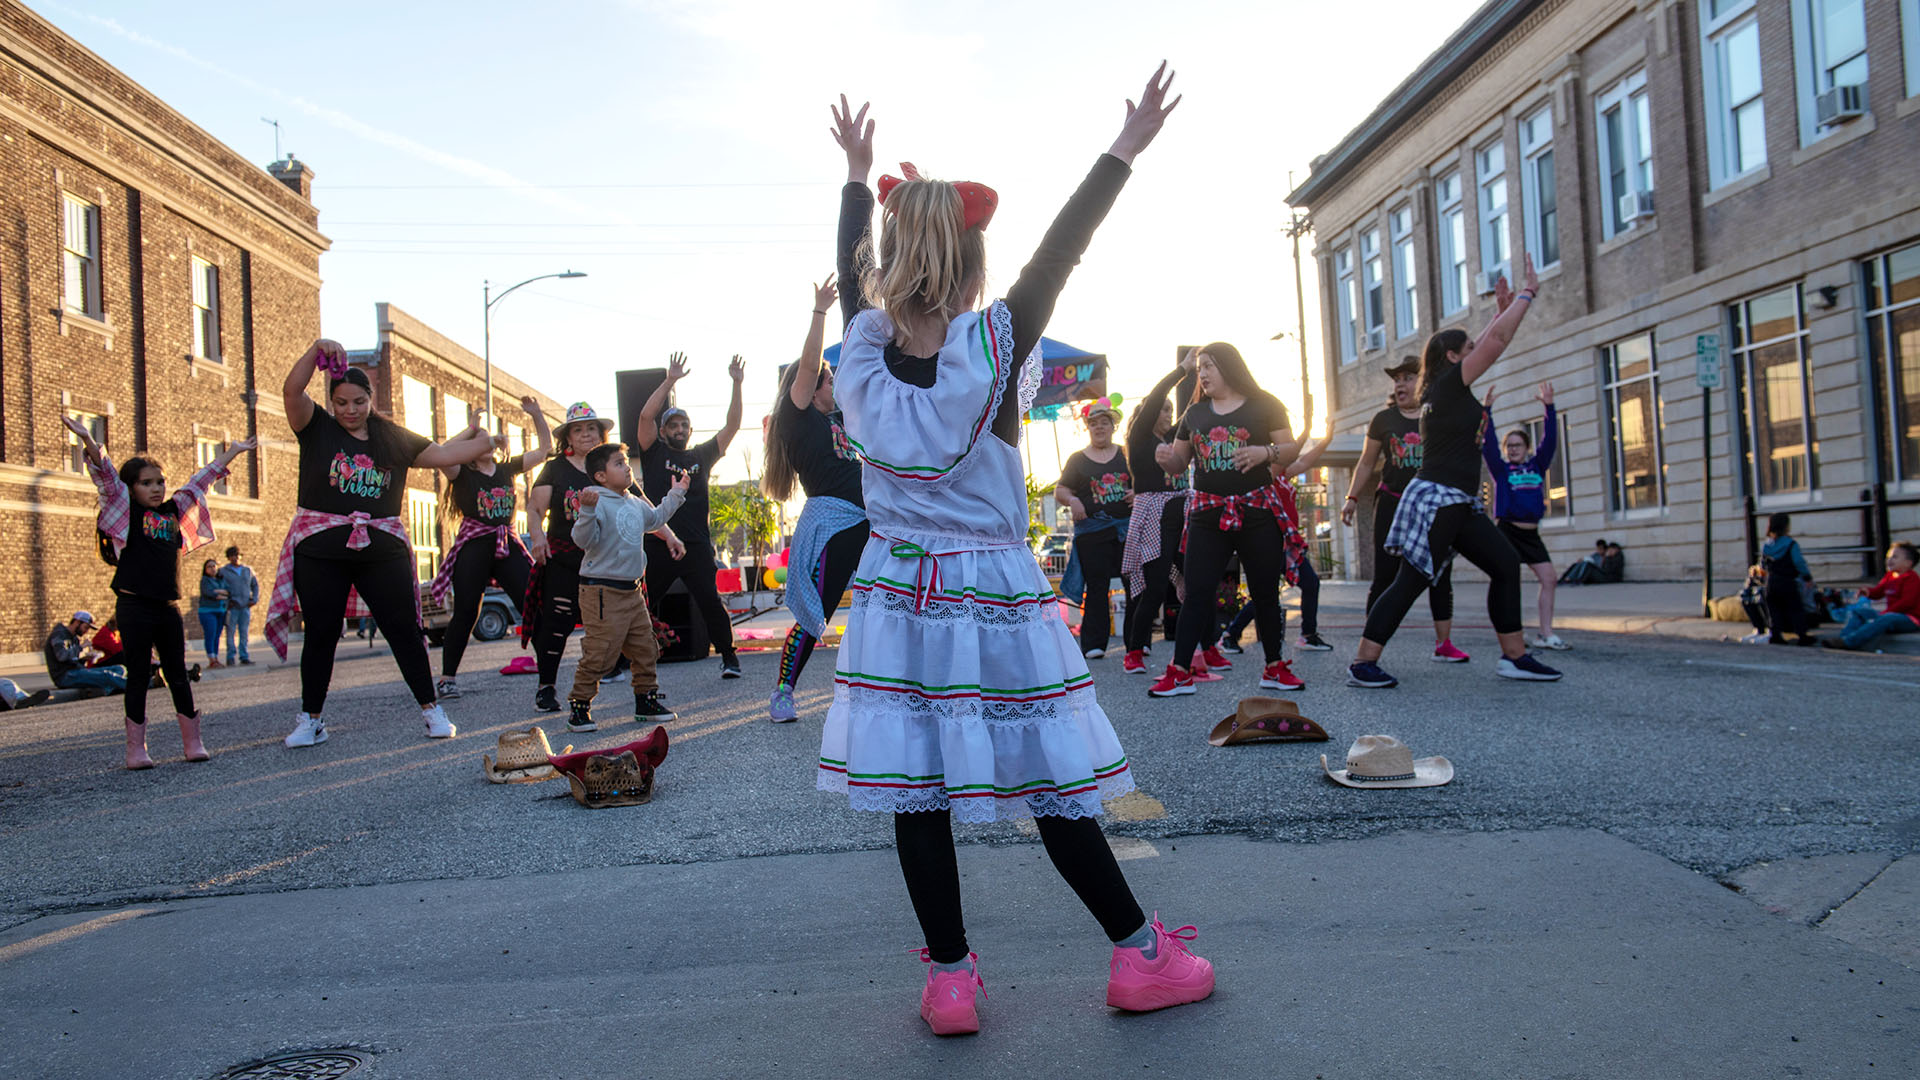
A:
[613, 522]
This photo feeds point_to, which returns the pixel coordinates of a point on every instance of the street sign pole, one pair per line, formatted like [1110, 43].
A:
[1706, 354]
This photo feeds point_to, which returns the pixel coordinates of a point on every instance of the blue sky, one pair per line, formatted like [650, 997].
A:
[677, 152]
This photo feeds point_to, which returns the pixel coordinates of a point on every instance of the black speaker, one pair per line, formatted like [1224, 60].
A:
[633, 388]
[676, 610]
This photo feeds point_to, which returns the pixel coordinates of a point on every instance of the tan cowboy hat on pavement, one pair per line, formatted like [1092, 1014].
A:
[1384, 761]
[1268, 719]
[523, 758]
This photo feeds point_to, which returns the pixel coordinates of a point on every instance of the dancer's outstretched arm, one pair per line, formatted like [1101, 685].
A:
[812, 359]
[737, 371]
[854, 132]
[646, 427]
[1493, 341]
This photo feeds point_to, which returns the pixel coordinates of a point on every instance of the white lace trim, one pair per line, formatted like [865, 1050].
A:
[976, 811]
[948, 613]
[1072, 711]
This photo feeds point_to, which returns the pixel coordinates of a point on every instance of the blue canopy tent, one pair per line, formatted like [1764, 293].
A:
[1071, 375]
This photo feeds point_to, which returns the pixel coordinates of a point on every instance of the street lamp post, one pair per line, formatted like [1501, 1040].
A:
[486, 327]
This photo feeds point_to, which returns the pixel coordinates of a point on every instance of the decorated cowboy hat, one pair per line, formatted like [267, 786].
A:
[1107, 405]
[1382, 761]
[1262, 719]
[581, 412]
[524, 758]
[620, 776]
[520, 665]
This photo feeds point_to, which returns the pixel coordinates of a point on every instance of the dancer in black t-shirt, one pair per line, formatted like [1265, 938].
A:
[1393, 451]
[483, 497]
[1440, 512]
[662, 439]
[1153, 538]
[1096, 486]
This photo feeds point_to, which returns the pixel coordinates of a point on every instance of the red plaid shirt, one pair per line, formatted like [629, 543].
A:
[116, 504]
[1277, 497]
[308, 523]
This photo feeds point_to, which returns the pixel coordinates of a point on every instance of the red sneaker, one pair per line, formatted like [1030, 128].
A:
[1279, 676]
[1215, 660]
[1200, 672]
[1135, 663]
[1173, 977]
[1175, 682]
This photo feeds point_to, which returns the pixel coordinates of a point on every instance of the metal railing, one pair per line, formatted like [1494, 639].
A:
[1876, 534]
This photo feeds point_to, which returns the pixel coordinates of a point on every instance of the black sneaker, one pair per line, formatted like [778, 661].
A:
[1316, 643]
[1526, 668]
[1370, 676]
[546, 700]
[446, 689]
[193, 673]
[648, 707]
[729, 665]
[1231, 645]
[582, 716]
[38, 697]
[244, 662]
[88, 693]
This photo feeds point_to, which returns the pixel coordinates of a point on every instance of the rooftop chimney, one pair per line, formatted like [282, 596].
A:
[296, 174]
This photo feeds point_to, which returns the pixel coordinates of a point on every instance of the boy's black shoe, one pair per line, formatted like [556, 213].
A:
[546, 700]
[648, 708]
[729, 665]
[193, 673]
[582, 717]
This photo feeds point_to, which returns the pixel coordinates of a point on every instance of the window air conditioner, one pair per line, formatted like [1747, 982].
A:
[1490, 279]
[1840, 104]
[1635, 205]
[1377, 338]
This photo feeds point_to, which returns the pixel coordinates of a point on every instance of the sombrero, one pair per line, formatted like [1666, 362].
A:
[1384, 761]
[1262, 719]
[523, 758]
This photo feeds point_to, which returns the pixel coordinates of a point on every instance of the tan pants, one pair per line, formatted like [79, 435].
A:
[616, 621]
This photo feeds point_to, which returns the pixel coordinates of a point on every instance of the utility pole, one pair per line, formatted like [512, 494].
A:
[1297, 226]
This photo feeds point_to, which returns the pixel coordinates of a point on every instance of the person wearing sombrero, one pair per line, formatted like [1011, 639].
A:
[552, 608]
[957, 692]
[663, 440]
[1096, 487]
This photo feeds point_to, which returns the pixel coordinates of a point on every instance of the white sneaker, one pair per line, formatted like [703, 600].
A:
[1550, 641]
[614, 677]
[438, 726]
[309, 731]
[1095, 654]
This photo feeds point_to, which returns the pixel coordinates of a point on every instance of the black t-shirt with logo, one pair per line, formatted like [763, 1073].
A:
[150, 562]
[822, 457]
[1450, 433]
[660, 463]
[1217, 435]
[338, 475]
[490, 499]
[1400, 447]
[1101, 487]
[567, 483]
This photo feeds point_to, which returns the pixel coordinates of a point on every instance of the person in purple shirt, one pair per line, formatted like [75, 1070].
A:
[1519, 474]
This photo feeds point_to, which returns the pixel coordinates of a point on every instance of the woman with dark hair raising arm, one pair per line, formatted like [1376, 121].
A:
[1153, 541]
[1439, 514]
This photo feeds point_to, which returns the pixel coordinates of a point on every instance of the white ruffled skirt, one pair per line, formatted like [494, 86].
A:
[958, 687]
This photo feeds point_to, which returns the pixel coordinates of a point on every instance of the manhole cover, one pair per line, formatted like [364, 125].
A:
[308, 1065]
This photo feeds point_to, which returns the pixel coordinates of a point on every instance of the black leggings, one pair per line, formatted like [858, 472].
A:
[387, 589]
[1387, 567]
[838, 560]
[1309, 606]
[1099, 564]
[1260, 545]
[1786, 614]
[1462, 529]
[696, 570]
[1143, 611]
[146, 625]
[559, 612]
[472, 571]
[1076, 845]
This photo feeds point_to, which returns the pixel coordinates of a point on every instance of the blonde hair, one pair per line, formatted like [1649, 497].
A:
[928, 259]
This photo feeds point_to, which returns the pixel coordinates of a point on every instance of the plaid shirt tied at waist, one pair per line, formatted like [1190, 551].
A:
[505, 543]
[1410, 537]
[308, 523]
[1277, 498]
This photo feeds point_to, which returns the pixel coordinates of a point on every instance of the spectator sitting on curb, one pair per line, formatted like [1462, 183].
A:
[1587, 570]
[64, 650]
[12, 697]
[1900, 588]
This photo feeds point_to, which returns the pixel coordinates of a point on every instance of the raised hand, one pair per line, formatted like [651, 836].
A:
[676, 367]
[589, 498]
[1545, 394]
[531, 405]
[681, 481]
[1145, 119]
[1530, 281]
[824, 294]
[736, 369]
[1491, 391]
[1502, 293]
[329, 356]
[854, 133]
[241, 446]
[1188, 361]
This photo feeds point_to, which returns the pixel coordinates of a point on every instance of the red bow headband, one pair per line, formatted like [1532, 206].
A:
[977, 201]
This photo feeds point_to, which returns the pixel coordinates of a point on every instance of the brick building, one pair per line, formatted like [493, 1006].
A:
[1738, 170]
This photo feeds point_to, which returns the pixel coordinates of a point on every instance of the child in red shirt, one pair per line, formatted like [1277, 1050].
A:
[1900, 588]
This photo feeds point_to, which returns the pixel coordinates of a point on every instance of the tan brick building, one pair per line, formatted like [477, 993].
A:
[1733, 169]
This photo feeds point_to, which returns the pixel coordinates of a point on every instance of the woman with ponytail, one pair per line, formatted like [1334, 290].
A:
[348, 539]
[481, 496]
[958, 692]
[1439, 513]
[807, 443]
[142, 534]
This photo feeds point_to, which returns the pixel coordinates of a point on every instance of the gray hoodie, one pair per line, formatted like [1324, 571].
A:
[613, 532]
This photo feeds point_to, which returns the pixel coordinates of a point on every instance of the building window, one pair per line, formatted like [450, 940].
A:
[1373, 271]
[1830, 51]
[416, 406]
[1893, 346]
[1538, 189]
[1559, 495]
[96, 426]
[206, 309]
[459, 414]
[1631, 387]
[1736, 117]
[1348, 297]
[423, 525]
[81, 240]
[1910, 38]
[1626, 154]
[1496, 251]
[1770, 346]
[1406, 283]
[1453, 244]
[205, 452]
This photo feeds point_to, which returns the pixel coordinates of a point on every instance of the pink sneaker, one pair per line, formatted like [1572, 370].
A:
[1173, 977]
[946, 1002]
[1200, 672]
[1445, 653]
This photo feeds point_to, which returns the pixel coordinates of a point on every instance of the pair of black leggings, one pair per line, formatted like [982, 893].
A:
[838, 560]
[559, 612]
[1386, 566]
[1309, 606]
[1099, 564]
[1076, 845]
[475, 567]
[1459, 529]
[146, 625]
[696, 570]
[1261, 547]
[388, 589]
[1143, 610]
[1786, 614]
